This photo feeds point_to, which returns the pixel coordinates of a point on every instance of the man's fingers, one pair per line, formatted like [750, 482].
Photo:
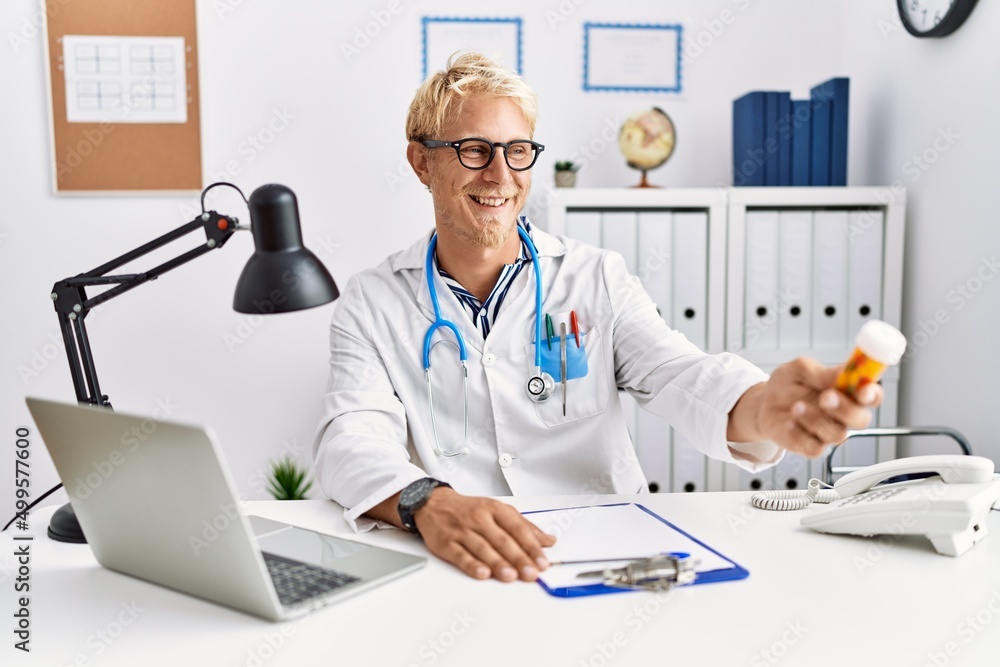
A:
[483, 537]
[818, 423]
[495, 551]
[871, 395]
[810, 373]
[474, 555]
[460, 557]
[844, 410]
[483, 548]
[544, 538]
[803, 442]
[527, 539]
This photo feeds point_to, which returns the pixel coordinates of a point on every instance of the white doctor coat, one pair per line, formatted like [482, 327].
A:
[375, 434]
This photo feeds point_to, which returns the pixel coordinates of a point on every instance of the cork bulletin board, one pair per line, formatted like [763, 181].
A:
[123, 76]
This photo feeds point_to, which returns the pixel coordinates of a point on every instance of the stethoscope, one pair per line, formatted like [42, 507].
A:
[540, 385]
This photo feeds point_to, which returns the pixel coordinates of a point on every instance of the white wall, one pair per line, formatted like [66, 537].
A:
[341, 150]
[924, 116]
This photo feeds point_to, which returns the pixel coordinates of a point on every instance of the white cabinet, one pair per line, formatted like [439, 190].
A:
[768, 273]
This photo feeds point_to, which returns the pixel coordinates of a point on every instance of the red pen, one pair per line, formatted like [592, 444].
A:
[575, 326]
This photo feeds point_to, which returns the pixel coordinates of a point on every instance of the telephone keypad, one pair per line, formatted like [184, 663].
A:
[869, 496]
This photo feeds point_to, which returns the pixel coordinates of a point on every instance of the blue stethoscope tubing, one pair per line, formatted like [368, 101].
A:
[440, 321]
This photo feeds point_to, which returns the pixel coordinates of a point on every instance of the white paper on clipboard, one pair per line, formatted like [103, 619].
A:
[611, 535]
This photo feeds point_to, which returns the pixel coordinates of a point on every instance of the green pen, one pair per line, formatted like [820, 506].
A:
[549, 330]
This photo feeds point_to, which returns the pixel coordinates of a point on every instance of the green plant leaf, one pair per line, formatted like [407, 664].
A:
[287, 481]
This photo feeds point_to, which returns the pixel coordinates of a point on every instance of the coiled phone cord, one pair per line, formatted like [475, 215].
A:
[794, 500]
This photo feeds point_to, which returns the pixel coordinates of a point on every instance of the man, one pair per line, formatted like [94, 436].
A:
[390, 434]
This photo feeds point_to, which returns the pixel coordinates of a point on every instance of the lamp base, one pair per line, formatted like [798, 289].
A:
[64, 527]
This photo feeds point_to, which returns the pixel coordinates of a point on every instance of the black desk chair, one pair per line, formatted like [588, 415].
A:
[831, 470]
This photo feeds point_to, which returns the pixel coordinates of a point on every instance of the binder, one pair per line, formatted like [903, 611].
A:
[748, 140]
[795, 243]
[656, 259]
[801, 141]
[655, 270]
[791, 473]
[838, 91]
[690, 281]
[687, 465]
[830, 257]
[760, 302]
[864, 289]
[619, 232]
[821, 101]
[584, 226]
[612, 536]
[771, 144]
[654, 450]
[784, 136]
[756, 481]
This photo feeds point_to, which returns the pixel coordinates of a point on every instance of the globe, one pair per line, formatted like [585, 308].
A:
[646, 139]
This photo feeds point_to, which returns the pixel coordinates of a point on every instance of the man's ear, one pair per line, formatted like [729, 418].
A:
[417, 156]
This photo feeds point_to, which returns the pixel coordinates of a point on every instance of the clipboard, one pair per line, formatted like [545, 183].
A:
[611, 536]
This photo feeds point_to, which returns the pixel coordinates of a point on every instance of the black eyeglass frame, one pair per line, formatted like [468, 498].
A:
[457, 145]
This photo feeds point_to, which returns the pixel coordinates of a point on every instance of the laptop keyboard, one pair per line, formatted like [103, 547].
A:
[297, 582]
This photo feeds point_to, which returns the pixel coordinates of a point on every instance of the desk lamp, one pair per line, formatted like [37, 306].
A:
[282, 276]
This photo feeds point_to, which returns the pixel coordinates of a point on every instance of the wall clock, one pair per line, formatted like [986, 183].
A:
[933, 18]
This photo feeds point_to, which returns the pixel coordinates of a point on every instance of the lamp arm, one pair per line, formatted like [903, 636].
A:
[72, 304]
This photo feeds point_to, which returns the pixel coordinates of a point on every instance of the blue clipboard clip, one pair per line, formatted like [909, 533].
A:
[657, 574]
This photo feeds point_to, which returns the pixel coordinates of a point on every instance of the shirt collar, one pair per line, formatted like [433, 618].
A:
[414, 257]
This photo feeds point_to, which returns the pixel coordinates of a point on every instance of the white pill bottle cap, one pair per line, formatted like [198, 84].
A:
[881, 341]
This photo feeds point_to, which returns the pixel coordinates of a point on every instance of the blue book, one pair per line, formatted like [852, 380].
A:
[821, 100]
[784, 157]
[800, 126]
[839, 91]
[771, 147]
[748, 140]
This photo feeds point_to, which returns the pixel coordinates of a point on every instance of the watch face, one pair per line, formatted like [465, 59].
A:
[414, 492]
[934, 18]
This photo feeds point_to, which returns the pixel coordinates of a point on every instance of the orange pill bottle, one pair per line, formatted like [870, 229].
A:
[878, 345]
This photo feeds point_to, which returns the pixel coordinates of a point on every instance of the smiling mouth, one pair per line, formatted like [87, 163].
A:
[491, 202]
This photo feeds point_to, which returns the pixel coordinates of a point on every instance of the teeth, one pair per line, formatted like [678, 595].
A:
[489, 201]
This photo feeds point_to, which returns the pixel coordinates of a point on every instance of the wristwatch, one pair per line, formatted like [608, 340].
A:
[415, 496]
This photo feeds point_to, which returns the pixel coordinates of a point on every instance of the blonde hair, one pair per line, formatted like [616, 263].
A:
[440, 97]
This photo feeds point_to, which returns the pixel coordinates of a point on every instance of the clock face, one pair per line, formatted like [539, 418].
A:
[934, 18]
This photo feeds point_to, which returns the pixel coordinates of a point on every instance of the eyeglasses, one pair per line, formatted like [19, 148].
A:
[475, 153]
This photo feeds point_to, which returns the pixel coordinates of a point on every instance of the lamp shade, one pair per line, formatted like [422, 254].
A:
[282, 275]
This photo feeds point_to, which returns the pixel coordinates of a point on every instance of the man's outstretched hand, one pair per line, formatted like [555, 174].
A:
[798, 409]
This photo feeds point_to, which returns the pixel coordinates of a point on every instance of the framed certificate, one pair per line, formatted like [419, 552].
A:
[497, 38]
[632, 57]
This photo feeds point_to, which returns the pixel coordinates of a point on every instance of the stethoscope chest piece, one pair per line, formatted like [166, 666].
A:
[540, 386]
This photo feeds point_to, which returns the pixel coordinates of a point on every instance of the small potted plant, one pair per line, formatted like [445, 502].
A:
[565, 174]
[287, 481]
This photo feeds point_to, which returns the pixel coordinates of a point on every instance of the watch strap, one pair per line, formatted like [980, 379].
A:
[407, 510]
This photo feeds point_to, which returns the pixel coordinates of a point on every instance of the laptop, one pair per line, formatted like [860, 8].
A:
[156, 501]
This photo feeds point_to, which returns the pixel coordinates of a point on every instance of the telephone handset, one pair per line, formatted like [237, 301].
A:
[948, 504]
[952, 469]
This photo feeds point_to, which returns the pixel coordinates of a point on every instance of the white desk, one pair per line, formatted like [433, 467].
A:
[810, 600]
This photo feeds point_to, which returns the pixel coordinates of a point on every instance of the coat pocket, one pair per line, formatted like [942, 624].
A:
[587, 390]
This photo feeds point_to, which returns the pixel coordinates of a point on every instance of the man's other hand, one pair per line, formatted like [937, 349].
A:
[482, 537]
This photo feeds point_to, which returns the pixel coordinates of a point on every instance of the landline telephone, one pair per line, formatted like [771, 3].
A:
[948, 504]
